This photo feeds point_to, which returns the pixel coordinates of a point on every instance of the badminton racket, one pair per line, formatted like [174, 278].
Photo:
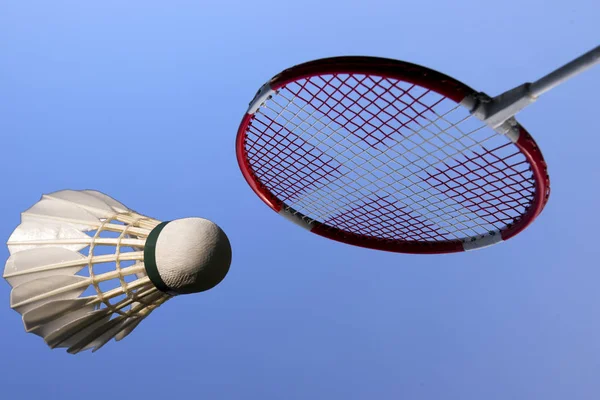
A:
[394, 156]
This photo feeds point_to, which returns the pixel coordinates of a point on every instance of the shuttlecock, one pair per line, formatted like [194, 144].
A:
[84, 268]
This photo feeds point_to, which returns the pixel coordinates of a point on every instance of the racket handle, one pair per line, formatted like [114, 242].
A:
[565, 72]
[497, 111]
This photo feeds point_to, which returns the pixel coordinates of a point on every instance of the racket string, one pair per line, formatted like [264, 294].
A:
[284, 107]
[364, 176]
[289, 165]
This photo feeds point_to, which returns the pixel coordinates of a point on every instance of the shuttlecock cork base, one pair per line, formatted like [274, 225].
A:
[187, 255]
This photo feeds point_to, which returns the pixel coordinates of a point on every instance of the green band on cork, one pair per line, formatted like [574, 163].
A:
[150, 258]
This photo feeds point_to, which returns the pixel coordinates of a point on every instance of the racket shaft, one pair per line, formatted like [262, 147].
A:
[565, 72]
[501, 108]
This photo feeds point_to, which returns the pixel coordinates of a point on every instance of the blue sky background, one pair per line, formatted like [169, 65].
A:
[142, 99]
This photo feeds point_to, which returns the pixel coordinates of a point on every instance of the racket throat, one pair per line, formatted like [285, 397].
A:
[498, 112]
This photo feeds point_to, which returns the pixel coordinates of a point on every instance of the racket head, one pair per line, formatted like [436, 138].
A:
[385, 154]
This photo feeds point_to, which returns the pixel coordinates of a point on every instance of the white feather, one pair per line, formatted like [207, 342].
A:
[38, 292]
[29, 235]
[39, 262]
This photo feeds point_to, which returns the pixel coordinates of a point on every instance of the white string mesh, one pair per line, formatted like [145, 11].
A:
[387, 159]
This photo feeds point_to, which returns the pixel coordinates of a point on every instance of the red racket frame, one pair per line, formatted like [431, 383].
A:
[414, 74]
